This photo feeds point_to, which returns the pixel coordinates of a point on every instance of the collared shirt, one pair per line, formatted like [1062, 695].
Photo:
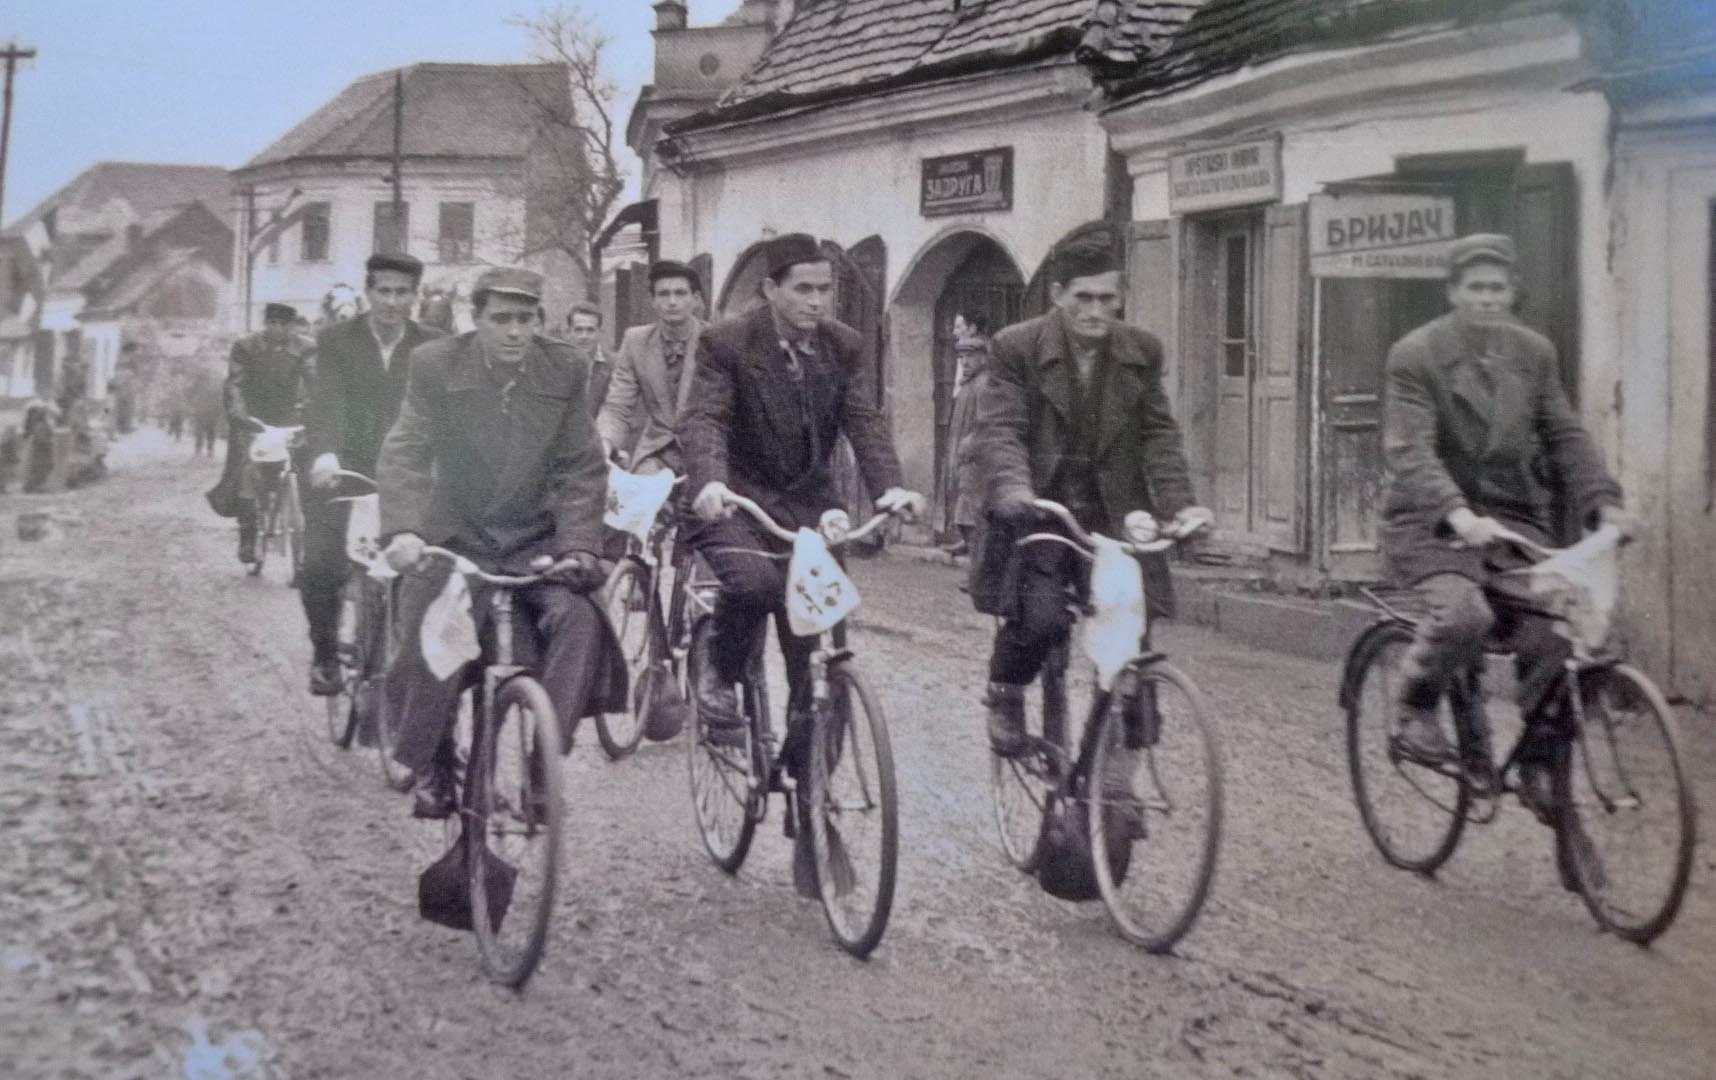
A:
[673, 356]
[383, 347]
[794, 348]
[502, 375]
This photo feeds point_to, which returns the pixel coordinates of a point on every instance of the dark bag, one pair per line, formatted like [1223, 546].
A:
[444, 889]
[223, 497]
[1065, 865]
[667, 706]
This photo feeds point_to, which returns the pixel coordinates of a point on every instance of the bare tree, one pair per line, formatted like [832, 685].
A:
[573, 180]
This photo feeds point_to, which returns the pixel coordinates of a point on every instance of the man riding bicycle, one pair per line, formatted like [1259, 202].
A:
[494, 456]
[267, 383]
[1479, 437]
[1074, 411]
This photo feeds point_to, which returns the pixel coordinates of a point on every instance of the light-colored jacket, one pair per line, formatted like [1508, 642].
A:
[638, 414]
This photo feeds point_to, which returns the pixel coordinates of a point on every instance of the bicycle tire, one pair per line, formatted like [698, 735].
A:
[499, 801]
[627, 584]
[351, 648]
[1600, 781]
[292, 524]
[1106, 809]
[385, 639]
[841, 739]
[1442, 802]
[1019, 787]
[723, 780]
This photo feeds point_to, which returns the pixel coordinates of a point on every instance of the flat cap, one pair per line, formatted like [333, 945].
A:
[786, 252]
[1491, 246]
[510, 281]
[404, 264]
[279, 311]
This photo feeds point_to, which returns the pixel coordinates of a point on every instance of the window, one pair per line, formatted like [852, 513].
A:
[392, 237]
[1236, 305]
[458, 232]
[313, 237]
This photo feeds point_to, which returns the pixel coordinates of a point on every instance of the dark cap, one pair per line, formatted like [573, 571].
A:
[786, 252]
[1493, 247]
[510, 281]
[279, 311]
[668, 268]
[404, 264]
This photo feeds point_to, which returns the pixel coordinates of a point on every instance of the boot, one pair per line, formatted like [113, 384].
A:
[1006, 702]
[246, 539]
[1419, 738]
[718, 708]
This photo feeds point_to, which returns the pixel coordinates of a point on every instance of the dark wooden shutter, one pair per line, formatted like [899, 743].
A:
[1279, 443]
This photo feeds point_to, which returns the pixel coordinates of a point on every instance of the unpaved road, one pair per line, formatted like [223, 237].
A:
[188, 876]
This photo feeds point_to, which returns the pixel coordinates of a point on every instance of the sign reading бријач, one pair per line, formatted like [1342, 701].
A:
[1218, 177]
[1381, 234]
[963, 183]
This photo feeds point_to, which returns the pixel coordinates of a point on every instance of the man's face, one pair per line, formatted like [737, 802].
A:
[1484, 292]
[803, 297]
[585, 330]
[1090, 304]
[277, 331]
[390, 296]
[506, 326]
[672, 298]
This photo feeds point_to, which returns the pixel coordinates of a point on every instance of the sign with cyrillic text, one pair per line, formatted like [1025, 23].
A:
[1381, 235]
[1238, 175]
[966, 183]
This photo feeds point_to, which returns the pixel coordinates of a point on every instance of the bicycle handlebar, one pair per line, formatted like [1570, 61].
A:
[768, 523]
[508, 581]
[1085, 542]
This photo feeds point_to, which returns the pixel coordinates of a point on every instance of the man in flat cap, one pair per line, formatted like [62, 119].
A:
[266, 382]
[495, 456]
[361, 364]
[1479, 435]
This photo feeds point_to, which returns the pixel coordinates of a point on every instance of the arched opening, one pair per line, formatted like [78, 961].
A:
[967, 273]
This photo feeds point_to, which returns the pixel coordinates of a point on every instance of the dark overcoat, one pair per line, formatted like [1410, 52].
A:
[355, 396]
[1496, 435]
[269, 382]
[746, 420]
[1024, 430]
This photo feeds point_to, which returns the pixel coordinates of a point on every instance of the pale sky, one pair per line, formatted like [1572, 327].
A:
[213, 82]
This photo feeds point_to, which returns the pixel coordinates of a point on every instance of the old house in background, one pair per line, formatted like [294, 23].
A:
[486, 164]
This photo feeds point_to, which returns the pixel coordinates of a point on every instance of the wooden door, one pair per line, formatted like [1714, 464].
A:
[1236, 368]
[1279, 442]
[1691, 461]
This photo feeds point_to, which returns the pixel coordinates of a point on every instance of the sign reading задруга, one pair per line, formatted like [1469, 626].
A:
[1381, 234]
[962, 183]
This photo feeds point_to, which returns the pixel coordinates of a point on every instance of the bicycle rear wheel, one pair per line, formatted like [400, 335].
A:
[725, 788]
[1414, 814]
[292, 525]
[854, 816]
[352, 657]
[1156, 811]
[1626, 790]
[517, 818]
[625, 600]
[1019, 786]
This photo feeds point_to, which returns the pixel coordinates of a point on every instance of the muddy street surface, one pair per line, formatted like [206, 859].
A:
[193, 882]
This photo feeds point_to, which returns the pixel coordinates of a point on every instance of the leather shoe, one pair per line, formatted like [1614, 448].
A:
[718, 709]
[1419, 738]
[1006, 703]
[325, 678]
[435, 796]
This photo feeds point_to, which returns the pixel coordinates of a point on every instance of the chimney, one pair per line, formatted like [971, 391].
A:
[670, 15]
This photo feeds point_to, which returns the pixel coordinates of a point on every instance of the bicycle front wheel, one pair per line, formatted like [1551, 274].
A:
[384, 639]
[1626, 791]
[1019, 786]
[725, 788]
[352, 659]
[854, 816]
[517, 816]
[1155, 807]
[292, 525]
[625, 600]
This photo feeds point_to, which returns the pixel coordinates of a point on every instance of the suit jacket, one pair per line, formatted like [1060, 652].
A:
[500, 475]
[750, 424]
[1505, 444]
[267, 381]
[639, 413]
[1023, 431]
[356, 397]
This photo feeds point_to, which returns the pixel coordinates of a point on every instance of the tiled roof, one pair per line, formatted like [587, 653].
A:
[149, 189]
[137, 281]
[832, 48]
[451, 110]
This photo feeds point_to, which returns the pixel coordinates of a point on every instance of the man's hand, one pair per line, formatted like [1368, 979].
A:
[579, 571]
[1016, 508]
[711, 502]
[1621, 520]
[1473, 530]
[902, 502]
[322, 471]
[404, 551]
[1191, 519]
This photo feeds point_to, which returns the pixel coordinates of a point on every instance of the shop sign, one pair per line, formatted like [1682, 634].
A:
[967, 183]
[1381, 235]
[1238, 175]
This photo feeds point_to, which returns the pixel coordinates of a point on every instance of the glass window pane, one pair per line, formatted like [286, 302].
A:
[1238, 281]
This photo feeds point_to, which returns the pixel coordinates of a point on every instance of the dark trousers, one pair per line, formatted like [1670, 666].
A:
[558, 635]
[753, 586]
[325, 570]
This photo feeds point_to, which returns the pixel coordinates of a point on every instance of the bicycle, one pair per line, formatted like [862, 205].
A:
[511, 812]
[850, 789]
[1619, 745]
[279, 510]
[1050, 805]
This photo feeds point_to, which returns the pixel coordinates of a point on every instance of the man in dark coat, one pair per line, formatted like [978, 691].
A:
[361, 365]
[1478, 434]
[772, 391]
[584, 333]
[1074, 411]
[495, 456]
[266, 382]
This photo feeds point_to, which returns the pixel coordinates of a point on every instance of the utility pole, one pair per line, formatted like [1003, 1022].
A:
[398, 180]
[11, 54]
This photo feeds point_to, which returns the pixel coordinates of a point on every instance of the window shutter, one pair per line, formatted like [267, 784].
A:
[1278, 439]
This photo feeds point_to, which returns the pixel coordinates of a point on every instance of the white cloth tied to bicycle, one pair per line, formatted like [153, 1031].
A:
[271, 446]
[363, 536]
[819, 594]
[634, 501]
[1110, 635]
[449, 634]
[1579, 584]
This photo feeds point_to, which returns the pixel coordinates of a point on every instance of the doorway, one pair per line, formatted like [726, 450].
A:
[986, 285]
